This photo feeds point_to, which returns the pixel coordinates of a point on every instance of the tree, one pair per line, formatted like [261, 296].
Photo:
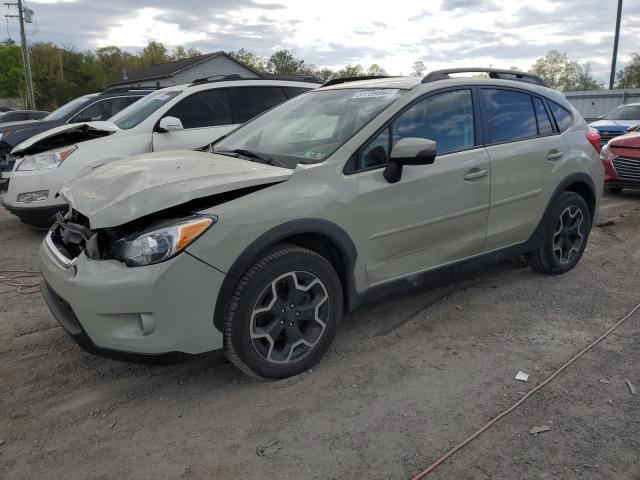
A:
[629, 76]
[154, 53]
[350, 71]
[376, 70]
[418, 68]
[179, 53]
[193, 52]
[324, 74]
[250, 59]
[562, 73]
[11, 74]
[283, 62]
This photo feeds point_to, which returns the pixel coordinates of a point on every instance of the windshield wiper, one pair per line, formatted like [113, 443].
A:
[260, 157]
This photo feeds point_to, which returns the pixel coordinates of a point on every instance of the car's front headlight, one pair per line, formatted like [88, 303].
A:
[160, 244]
[50, 159]
[606, 153]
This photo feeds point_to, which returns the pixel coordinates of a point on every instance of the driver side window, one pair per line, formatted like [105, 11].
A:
[446, 118]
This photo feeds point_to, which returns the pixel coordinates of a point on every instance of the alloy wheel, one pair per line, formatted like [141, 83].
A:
[289, 317]
[569, 234]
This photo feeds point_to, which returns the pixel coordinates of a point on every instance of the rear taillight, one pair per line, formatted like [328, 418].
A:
[594, 139]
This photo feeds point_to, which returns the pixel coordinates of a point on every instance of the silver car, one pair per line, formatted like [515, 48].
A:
[260, 246]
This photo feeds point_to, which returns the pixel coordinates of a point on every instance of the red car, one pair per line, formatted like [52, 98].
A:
[621, 158]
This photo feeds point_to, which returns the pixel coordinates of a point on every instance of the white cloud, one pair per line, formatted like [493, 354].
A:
[144, 27]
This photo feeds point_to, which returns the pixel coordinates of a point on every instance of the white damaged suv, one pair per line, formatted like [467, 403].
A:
[183, 116]
[260, 246]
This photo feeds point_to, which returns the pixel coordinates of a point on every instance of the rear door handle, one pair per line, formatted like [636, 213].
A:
[555, 155]
[475, 173]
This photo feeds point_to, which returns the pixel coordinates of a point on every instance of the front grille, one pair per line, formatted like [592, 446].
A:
[606, 136]
[627, 168]
[7, 162]
[4, 185]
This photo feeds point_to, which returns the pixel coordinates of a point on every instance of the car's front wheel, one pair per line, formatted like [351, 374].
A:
[565, 230]
[283, 313]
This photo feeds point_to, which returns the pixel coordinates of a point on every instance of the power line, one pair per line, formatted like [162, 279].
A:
[615, 46]
[22, 13]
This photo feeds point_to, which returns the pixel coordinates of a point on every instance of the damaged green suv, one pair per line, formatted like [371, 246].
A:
[262, 244]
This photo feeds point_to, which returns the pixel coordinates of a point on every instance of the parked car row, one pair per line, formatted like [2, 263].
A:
[260, 244]
[186, 116]
[21, 115]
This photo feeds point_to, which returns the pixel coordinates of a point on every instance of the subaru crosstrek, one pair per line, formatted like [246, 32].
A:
[262, 244]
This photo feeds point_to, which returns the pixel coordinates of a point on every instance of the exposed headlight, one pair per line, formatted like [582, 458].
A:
[50, 159]
[160, 244]
[606, 153]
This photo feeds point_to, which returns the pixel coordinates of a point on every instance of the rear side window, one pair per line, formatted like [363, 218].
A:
[561, 114]
[252, 101]
[101, 110]
[510, 115]
[545, 127]
[208, 108]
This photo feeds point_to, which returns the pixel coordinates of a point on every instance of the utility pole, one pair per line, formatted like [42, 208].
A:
[31, 104]
[615, 46]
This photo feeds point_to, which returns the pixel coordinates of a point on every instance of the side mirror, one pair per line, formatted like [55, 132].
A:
[169, 124]
[409, 151]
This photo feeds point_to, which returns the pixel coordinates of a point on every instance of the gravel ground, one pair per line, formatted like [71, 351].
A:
[406, 379]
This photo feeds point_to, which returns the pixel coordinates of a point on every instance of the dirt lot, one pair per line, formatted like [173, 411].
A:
[407, 378]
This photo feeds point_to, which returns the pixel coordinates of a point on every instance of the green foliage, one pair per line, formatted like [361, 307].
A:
[284, 63]
[250, 59]
[561, 73]
[11, 71]
[629, 76]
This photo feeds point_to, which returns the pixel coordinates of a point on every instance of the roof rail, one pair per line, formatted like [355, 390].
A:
[127, 89]
[492, 72]
[218, 78]
[289, 77]
[337, 81]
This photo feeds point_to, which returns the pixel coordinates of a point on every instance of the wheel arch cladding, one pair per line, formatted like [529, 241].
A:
[579, 183]
[320, 236]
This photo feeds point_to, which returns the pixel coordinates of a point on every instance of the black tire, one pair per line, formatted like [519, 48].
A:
[614, 190]
[549, 258]
[275, 270]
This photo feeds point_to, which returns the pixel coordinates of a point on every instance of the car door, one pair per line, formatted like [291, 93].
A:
[205, 115]
[524, 147]
[436, 213]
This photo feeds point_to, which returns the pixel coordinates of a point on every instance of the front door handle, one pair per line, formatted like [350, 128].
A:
[555, 155]
[475, 173]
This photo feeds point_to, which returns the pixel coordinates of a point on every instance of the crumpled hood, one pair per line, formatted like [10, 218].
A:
[613, 125]
[125, 190]
[40, 138]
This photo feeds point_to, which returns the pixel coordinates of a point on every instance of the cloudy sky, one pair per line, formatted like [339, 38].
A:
[333, 33]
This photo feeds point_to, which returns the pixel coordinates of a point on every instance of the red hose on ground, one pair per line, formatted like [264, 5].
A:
[494, 420]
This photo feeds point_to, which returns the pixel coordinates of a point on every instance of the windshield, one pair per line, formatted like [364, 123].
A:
[140, 111]
[626, 112]
[69, 108]
[309, 128]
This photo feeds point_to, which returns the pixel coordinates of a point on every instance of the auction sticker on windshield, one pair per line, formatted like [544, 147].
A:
[380, 92]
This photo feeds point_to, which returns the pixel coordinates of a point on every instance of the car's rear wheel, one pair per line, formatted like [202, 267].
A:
[283, 313]
[566, 227]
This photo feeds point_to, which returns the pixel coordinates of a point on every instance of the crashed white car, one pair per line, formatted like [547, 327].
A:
[186, 116]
